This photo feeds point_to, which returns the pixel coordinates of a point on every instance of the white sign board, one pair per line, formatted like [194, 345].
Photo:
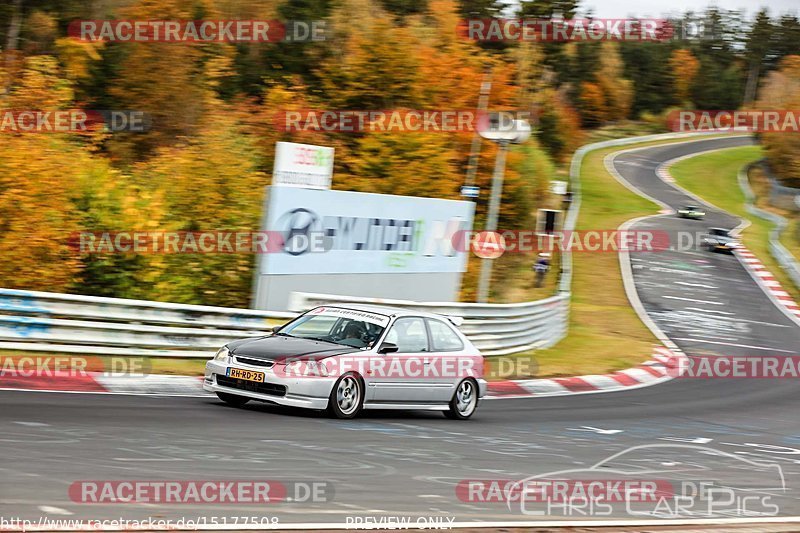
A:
[342, 232]
[558, 187]
[302, 165]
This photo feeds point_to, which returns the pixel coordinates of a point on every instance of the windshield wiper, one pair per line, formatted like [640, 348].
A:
[321, 340]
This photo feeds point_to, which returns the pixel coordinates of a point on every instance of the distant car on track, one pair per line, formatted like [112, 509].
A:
[691, 211]
[345, 358]
[720, 240]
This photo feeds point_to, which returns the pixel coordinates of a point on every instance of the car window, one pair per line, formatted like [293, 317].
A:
[311, 326]
[443, 338]
[347, 331]
[409, 335]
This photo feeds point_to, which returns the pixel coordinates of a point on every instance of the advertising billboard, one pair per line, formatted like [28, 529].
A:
[341, 232]
[302, 165]
[360, 244]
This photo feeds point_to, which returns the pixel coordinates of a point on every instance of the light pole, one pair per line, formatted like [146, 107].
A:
[503, 133]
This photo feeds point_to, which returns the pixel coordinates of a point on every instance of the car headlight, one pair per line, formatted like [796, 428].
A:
[293, 367]
[306, 368]
[222, 354]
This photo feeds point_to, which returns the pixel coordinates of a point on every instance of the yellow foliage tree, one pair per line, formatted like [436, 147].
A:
[683, 66]
[40, 174]
[617, 90]
[593, 104]
[781, 91]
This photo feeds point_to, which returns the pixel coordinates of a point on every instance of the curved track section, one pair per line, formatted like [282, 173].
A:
[742, 433]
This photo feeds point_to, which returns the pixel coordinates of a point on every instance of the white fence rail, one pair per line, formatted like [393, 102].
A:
[67, 323]
[70, 323]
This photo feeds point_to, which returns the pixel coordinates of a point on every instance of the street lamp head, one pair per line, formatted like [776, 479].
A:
[503, 128]
[523, 130]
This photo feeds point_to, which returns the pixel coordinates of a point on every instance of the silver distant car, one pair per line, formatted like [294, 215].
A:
[345, 358]
[720, 240]
[691, 211]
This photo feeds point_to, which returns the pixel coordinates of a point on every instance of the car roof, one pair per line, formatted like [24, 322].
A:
[386, 310]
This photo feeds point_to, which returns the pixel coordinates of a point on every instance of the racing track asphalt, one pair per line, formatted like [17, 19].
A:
[407, 464]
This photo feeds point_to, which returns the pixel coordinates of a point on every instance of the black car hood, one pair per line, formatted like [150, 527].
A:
[277, 348]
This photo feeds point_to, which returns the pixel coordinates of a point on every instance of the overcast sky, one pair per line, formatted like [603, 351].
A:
[659, 8]
[656, 8]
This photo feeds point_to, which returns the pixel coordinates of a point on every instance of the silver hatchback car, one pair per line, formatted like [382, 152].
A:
[345, 358]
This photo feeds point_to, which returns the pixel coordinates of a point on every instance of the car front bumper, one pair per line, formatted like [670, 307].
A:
[305, 392]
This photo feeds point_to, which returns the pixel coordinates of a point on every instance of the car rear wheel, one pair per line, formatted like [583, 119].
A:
[464, 401]
[347, 396]
[233, 399]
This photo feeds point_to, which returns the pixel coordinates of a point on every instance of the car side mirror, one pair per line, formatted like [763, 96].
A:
[388, 347]
[275, 329]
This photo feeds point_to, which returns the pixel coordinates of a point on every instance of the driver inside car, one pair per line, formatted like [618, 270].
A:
[354, 331]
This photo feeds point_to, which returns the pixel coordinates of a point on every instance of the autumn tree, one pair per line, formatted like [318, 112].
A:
[782, 91]
[163, 79]
[617, 90]
[683, 66]
[40, 175]
[593, 104]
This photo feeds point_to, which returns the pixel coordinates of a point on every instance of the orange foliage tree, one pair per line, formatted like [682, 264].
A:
[683, 66]
[782, 92]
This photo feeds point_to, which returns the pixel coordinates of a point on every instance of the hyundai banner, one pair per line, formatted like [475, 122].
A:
[340, 232]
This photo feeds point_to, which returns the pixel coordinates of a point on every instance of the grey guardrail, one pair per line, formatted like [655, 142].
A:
[69, 323]
[784, 257]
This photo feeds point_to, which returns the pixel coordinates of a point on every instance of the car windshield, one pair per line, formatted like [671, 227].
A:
[719, 232]
[691, 208]
[336, 327]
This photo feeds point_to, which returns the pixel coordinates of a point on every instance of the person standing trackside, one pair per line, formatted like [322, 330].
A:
[541, 266]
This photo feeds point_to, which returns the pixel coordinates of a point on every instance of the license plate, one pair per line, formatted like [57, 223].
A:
[247, 375]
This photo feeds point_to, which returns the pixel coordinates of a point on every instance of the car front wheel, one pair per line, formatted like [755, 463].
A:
[464, 401]
[347, 396]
